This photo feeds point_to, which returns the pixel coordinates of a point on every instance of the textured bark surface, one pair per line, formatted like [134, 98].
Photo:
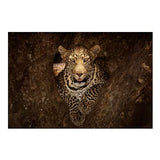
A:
[125, 101]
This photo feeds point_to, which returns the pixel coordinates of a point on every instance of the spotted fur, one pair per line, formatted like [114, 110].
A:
[80, 93]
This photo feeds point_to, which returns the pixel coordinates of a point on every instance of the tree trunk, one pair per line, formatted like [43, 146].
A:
[125, 101]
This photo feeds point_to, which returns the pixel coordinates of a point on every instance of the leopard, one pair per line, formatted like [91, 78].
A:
[79, 80]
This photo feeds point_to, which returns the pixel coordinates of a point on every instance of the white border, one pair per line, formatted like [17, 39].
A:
[102, 15]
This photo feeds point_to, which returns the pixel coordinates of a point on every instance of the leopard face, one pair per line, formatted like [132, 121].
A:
[80, 68]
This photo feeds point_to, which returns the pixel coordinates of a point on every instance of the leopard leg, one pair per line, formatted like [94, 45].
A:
[89, 99]
[76, 116]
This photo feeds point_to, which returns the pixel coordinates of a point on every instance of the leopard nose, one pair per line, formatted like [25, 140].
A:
[79, 74]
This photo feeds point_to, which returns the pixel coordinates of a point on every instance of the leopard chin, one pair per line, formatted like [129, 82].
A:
[81, 84]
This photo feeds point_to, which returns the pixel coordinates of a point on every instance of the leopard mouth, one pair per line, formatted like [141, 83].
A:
[80, 80]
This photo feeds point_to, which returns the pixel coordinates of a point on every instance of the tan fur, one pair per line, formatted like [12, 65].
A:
[58, 68]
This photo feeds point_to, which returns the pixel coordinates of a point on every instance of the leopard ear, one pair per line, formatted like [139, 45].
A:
[95, 50]
[62, 51]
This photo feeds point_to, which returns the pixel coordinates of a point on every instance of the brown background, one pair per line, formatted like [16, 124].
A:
[125, 101]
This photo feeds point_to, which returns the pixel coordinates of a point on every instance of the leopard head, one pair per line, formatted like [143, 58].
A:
[79, 65]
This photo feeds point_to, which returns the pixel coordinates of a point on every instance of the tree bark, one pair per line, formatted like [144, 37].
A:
[125, 101]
